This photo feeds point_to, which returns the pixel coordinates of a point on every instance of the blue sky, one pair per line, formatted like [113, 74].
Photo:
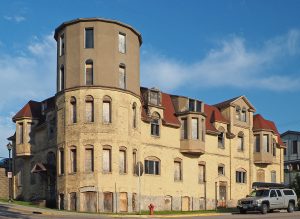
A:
[211, 50]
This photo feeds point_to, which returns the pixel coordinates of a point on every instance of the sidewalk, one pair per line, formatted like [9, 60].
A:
[52, 212]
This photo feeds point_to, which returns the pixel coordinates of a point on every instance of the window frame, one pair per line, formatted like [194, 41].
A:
[89, 148]
[107, 100]
[178, 161]
[89, 62]
[122, 50]
[122, 72]
[62, 44]
[109, 149]
[85, 38]
[73, 162]
[223, 168]
[89, 100]
[123, 170]
[73, 110]
[156, 166]
[241, 176]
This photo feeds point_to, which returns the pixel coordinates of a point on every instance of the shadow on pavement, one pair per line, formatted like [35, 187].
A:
[8, 213]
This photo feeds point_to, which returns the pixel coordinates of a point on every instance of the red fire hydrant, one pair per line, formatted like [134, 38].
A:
[151, 209]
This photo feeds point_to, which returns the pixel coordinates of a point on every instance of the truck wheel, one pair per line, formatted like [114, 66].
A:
[264, 208]
[291, 207]
[242, 211]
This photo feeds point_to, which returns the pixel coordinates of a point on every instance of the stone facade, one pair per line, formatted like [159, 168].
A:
[78, 150]
[4, 182]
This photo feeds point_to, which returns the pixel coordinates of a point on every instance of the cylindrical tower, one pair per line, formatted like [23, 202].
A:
[98, 114]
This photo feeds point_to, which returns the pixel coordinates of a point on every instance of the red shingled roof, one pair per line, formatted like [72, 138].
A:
[213, 115]
[31, 110]
[259, 123]
[169, 112]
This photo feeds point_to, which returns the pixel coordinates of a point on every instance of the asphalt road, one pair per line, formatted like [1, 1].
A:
[12, 213]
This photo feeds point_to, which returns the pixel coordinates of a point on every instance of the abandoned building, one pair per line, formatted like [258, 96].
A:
[78, 149]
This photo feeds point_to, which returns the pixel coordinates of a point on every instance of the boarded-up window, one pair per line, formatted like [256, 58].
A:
[266, 143]
[73, 201]
[20, 133]
[62, 161]
[257, 143]
[201, 173]
[73, 160]
[273, 176]
[177, 171]
[89, 160]
[185, 203]
[154, 97]
[73, 113]
[122, 42]
[89, 38]
[106, 161]
[89, 110]
[123, 202]
[134, 202]
[122, 161]
[89, 201]
[260, 177]
[184, 133]
[168, 203]
[240, 143]
[122, 77]
[108, 201]
[89, 75]
[106, 112]
[195, 131]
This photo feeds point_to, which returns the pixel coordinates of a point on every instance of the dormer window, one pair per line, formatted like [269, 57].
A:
[194, 105]
[154, 97]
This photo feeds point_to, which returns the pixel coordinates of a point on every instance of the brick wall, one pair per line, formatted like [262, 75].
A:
[3, 184]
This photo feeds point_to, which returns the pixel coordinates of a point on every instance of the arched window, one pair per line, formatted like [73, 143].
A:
[89, 158]
[221, 169]
[260, 175]
[155, 121]
[244, 115]
[73, 114]
[122, 160]
[73, 159]
[106, 110]
[122, 76]
[152, 165]
[106, 159]
[241, 175]
[89, 72]
[177, 169]
[134, 119]
[273, 176]
[221, 137]
[240, 141]
[238, 113]
[89, 109]
[61, 78]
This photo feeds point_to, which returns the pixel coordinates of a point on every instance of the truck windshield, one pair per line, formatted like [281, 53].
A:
[259, 193]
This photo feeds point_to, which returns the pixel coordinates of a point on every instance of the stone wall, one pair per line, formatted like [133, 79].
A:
[4, 184]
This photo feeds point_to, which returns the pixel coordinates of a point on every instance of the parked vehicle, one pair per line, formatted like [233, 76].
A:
[267, 197]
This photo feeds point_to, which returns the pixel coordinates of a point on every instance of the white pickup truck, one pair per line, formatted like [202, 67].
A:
[268, 199]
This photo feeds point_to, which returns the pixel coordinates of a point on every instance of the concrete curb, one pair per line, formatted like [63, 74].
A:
[50, 212]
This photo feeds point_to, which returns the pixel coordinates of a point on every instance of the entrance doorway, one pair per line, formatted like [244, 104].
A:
[222, 194]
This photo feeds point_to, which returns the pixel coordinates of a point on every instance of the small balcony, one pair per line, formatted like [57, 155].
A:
[191, 146]
[263, 158]
[23, 150]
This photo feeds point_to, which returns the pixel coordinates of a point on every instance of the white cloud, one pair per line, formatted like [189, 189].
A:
[25, 77]
[16, 18]
[231, 64]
